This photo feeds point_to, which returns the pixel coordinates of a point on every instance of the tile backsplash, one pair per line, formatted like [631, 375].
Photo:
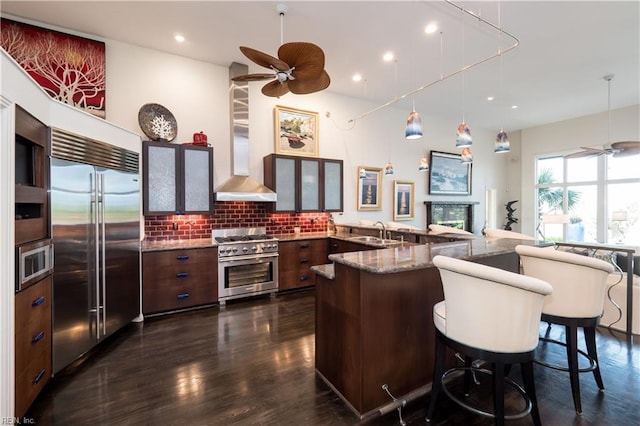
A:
[230, 214]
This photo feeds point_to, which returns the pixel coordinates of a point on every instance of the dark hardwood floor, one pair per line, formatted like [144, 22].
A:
[252, 363]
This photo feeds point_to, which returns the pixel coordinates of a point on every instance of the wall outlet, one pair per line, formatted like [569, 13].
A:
[175, 226]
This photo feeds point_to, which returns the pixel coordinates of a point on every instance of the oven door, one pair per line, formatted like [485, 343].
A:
[247, 276]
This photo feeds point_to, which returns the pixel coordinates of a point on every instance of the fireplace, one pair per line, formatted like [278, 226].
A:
[457, 214]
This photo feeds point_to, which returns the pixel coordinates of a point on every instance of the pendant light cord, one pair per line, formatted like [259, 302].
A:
[516, 43]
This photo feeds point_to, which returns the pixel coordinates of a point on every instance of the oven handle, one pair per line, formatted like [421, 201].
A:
[252, 258]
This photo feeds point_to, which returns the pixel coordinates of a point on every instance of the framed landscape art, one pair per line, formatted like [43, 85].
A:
[369, 188]
[448, 175]
[296, 131]
[403, 200]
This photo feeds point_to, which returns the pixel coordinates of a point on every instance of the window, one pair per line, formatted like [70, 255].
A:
[591, 199]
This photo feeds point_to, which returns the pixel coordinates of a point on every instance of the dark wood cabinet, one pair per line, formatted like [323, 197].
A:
[32, 146]
[296, 259]
[179, 279]
[177, 179]
[337, 245]
[33, 343]
[304, 184]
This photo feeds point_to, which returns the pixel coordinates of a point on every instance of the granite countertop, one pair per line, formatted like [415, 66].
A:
[407, 257]
[177, 244]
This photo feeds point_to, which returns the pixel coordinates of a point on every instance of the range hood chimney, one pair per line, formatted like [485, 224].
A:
[240, 186]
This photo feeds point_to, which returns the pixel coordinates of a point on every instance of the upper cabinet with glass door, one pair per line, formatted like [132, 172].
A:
[178, 179]
[304, 184]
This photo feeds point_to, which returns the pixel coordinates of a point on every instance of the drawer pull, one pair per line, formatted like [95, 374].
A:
[37, 337]
[304, 278]
[182, 274]
[39, 301]
[304, 245]
[183, 296]
[38, 377]
[304, 260]
[182, 257]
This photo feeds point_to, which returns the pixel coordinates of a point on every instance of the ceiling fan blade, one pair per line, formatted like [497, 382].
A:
[275, 89]
[302, 86]
[306, 59]
[625, 145]
[254, 77]
[584, 154]
[264, 59]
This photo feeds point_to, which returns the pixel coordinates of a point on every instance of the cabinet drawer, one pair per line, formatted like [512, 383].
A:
[31, 380]
[296, 260]
[33, 322]
[176, 274]
[178, 257]
[33, 342]
[168, 296]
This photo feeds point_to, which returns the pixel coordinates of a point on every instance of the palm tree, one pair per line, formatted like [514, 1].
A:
[551, 199]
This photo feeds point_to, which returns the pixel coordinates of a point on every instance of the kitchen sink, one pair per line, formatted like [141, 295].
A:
[374, 240]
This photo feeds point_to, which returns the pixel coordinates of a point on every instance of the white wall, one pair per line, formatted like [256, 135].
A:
[565, 136]
[197, 95]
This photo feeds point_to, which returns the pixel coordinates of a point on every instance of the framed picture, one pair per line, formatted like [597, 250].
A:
[448, 175]
[69, 68]
[403, 200]
[369, 188]
[296, 131]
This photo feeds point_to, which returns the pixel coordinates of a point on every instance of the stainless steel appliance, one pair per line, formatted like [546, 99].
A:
[34, 261]
[95, 219]
[247, 262]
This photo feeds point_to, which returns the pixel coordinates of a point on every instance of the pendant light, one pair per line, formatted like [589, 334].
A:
[362, 173]
[501, 144]
[388, 169]
[424, 164]
[467, 156]
[414, 122]
[463, 134]
[414, 125]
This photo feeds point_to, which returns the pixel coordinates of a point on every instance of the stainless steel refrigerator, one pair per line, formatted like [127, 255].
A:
[95, 220]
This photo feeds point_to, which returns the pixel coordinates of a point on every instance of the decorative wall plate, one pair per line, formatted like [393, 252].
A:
[157, 122]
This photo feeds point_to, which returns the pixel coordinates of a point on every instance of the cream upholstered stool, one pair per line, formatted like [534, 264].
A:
[502, 233]
[579, 285]
[442, 229]
[505, 334]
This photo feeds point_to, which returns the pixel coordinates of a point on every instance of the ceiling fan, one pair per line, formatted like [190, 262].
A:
[617, 149]
[299, 67]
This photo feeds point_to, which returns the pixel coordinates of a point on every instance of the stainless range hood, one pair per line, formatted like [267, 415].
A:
[240, 186]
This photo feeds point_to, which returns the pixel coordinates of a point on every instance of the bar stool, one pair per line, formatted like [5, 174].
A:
[491, 315]
[579, 284]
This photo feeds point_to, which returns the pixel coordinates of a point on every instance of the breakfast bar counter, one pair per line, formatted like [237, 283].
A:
[374, 326]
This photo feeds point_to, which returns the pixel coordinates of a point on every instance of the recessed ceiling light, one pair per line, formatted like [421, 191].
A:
[179, 38]
[388, 57]
[514, 106]
[356, 77]
[490, 98]
[431, 28]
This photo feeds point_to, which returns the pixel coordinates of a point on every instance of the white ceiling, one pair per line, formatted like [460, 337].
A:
[556, 73]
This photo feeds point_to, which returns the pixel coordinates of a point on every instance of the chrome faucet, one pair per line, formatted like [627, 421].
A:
[382, 231]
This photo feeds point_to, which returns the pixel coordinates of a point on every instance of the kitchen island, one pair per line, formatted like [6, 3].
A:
[374, 326]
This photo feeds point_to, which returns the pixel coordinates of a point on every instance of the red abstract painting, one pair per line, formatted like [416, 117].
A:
[70, 69]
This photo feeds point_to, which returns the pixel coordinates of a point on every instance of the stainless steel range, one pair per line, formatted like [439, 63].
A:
[247, 262]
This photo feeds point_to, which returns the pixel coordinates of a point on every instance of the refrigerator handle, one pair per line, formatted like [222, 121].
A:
[96, 229]
[103, 245]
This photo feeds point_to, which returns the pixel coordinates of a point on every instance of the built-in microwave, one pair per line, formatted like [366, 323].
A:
[34, 261]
